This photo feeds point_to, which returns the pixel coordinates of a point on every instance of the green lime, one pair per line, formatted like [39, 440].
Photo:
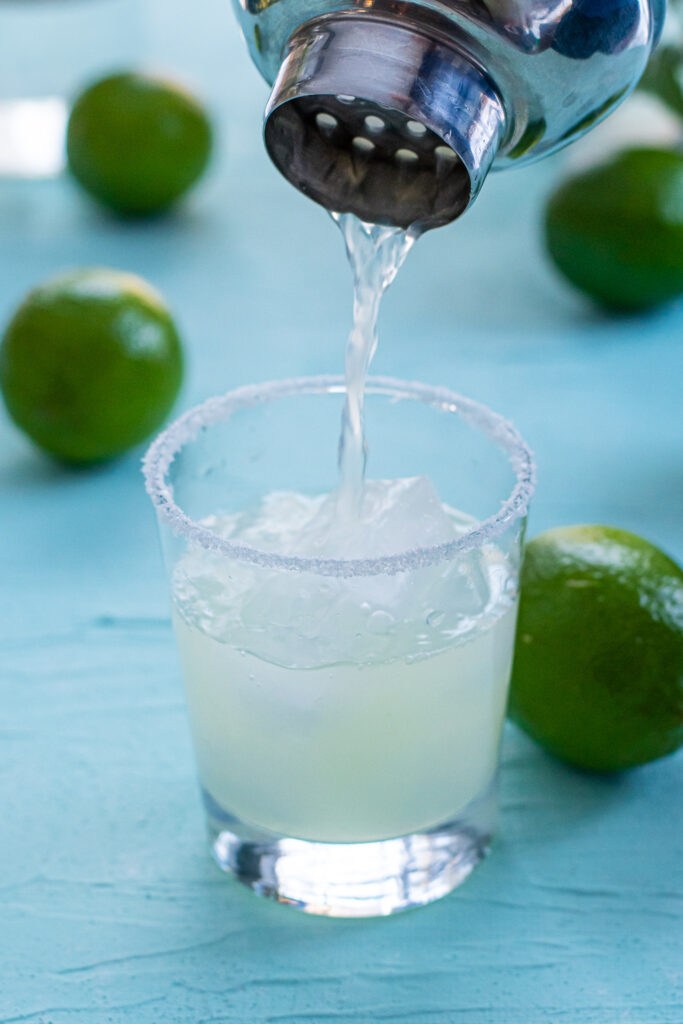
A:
[598, 672]
[90, 364]
[137, 143]
[616, 231]
[664, 77]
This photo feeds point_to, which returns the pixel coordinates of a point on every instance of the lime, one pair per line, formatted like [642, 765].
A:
[90, 364]
[598, 672]
[616, 230]
[136, 143]
[664, 77]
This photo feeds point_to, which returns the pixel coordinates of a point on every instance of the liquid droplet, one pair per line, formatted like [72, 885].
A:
[380, 622]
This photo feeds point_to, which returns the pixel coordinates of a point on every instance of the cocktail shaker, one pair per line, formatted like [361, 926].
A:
[396, 110]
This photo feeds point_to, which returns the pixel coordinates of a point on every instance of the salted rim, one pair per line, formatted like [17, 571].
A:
[182, 431]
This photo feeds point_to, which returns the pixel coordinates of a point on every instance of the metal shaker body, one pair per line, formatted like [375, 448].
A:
[397, 110]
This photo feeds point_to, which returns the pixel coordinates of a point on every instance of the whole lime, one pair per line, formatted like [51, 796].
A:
[137, 143]
[90, 364]
[616, 230]
[598, 671]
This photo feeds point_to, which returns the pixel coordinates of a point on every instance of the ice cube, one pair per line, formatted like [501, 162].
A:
[304, 618]
[400, 515]
[395, 516]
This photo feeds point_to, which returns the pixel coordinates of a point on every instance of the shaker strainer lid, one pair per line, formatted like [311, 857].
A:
[380, 120]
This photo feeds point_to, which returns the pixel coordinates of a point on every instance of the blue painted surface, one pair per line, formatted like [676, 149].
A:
[110, 910]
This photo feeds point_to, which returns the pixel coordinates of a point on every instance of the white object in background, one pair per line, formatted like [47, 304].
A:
[49, 51]
[32, 134]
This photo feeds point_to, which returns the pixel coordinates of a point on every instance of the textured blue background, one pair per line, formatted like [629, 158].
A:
[110, 909]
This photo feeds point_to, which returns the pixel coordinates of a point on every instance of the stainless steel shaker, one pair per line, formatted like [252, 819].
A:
[396, 110]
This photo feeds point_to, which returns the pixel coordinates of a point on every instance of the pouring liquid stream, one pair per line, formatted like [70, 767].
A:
[361, 663]
[375, 253]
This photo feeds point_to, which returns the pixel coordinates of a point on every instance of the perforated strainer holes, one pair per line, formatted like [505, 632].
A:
[416, 129]
[326, 122]
[363, 145]
[378, 162]
[405, 157]
[375, 124]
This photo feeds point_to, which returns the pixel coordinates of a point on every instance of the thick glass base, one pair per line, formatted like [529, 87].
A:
[354, 879]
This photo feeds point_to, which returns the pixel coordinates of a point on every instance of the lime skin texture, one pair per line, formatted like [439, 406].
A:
[598, 671]
[90, 364]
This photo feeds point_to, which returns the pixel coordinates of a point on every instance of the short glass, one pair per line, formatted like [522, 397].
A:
[346, 713]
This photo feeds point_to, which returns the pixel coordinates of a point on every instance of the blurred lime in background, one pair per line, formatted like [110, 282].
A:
[137, 143]
[663, 76]
[616, 230]
[90, 364]
[598, 671]
[48, 48]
